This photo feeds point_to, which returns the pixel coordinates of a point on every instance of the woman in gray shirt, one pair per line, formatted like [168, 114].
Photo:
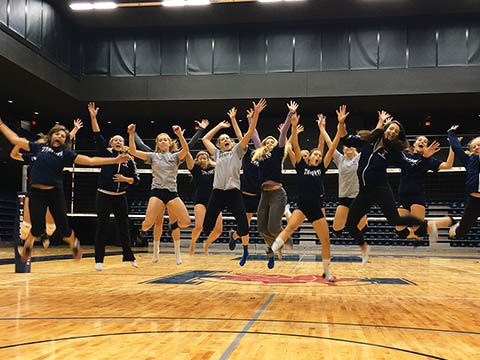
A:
[226, 182]
[164, 162]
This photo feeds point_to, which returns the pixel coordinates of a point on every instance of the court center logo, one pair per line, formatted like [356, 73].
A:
[198, 277]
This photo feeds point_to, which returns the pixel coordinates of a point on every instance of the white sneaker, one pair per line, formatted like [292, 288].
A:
[178, 260]
[155, 258]
[433, 234]
[134, 263]
[328, 277]
[365, 254]
[452, 232]
[99, 266]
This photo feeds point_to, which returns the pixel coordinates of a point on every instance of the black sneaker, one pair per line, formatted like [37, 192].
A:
[141, 238]
[232, 242]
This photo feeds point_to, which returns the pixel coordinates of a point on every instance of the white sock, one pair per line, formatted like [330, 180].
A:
[156, 250]
[50, 229]
[25, 229]
[99, 266]
[326, 267]
[277, 244]
[178, 257]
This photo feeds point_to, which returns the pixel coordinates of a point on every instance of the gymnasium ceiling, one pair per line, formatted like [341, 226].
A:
[32, 94]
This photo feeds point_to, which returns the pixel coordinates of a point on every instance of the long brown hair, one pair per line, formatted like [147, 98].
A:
[58, 128]
[374, 135]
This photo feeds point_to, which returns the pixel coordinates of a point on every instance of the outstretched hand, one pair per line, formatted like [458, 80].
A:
[321, 121]
[92, 109]
[232, 113]
[292, 107]
[431, 149]
[77, 123]
[249, 113]
[202, 124]
[454, 127]
[342, 114]
[260, 106]
[131, 128]
[384, 117]
[224, 124]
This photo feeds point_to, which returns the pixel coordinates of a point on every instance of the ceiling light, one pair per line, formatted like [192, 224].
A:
[174, 3]
[10, 101]
[99, 5]
[81, 6]
[198, 2]
[103, 5]
[36, 113]
[268, 1]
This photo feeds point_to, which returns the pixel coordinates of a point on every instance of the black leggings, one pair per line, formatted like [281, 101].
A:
[53, 199]
[470, 215]
[232, 199]
[383, 197]
[106, 204]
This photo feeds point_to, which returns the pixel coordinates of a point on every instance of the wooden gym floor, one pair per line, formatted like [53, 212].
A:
[404, 304]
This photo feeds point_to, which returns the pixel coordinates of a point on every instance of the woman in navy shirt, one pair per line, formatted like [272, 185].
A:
[310, 175]
[380, 148]
[47, 182]
[112, 192]
[411, 190]
[471, 161]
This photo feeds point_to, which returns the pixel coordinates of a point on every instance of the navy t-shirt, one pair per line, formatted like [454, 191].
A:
[249, 181]
[203, 179]
[310, 181]
[270, 168]
[48, 167]
[416, 167]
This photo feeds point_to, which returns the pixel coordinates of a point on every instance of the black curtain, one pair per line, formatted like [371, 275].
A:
[364, 49]
[147, 55]
[34, 22]
[335, 49]
[97, 56]
[280, 52]
[173, 54]
[422, 47]
[307, 50]
[122, 56]
[393, 48]
[226, 54]
[3, 11]
[452, 46]
[16, 20]
[474, 45]
[252, 52]
[200, 54]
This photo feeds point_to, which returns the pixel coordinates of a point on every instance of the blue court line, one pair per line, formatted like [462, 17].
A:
[244, 331]
[64, 257]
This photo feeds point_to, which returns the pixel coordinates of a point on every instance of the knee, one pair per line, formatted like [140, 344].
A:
[184, 222]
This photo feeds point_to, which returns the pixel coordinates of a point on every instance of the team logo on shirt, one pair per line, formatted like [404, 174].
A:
[47, 149]
[209, 172]
[309, 172]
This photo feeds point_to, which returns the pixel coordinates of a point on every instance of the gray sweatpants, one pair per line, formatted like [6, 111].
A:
[269, 214]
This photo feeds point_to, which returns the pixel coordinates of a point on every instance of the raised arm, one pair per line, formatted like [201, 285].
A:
[77, 125]
[342, 115]
[132, 148]
[15, 153]
[257, 109]
[99, 161]
[456, 145]
[323, 137]
[202, 125]
[93, 111]
[450, 159]
[13, 137]
[292, 109]
[178, 131]
[255, 137]
[207, 139]
[232, 114]
[383, 118]
[296, 147]
[140, 144]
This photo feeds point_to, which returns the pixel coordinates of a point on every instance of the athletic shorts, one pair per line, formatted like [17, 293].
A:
[312, 209]
[251, 203]
[344, 201]
[164, 195]
[407, 200]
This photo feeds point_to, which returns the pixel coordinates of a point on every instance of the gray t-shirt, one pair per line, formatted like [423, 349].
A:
[347, 175]
[227, 169]
[164, 170]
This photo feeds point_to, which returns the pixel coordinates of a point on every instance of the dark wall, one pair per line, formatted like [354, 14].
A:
[39, 25]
